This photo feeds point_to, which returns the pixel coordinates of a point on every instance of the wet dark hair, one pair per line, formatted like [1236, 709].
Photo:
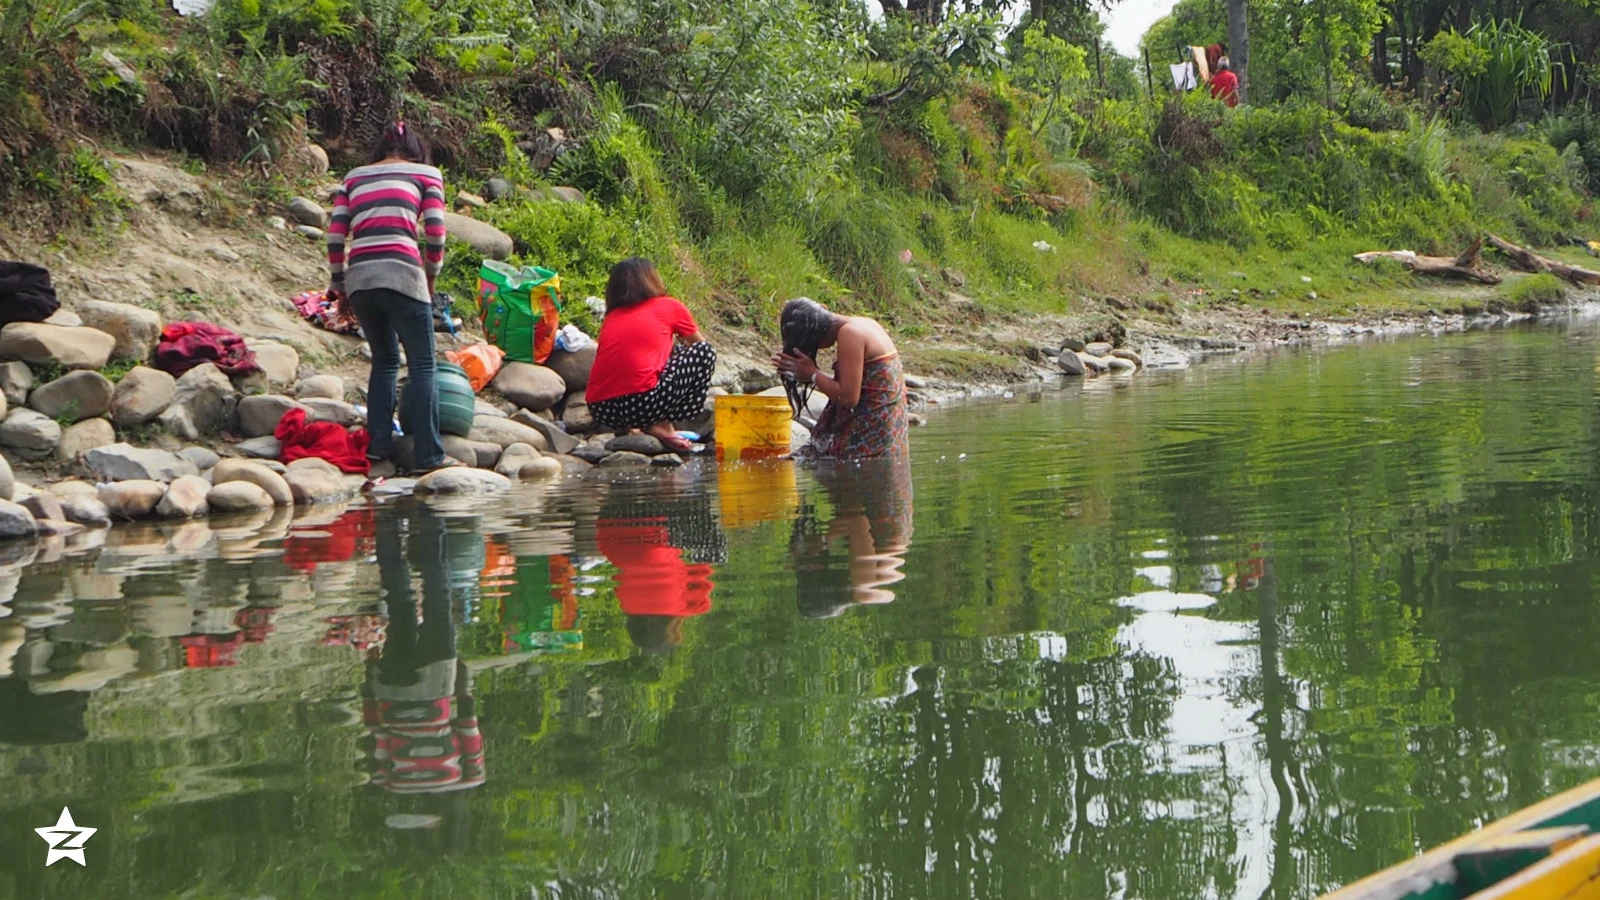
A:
[804, 324]
[400, 139]
[633, 281]
[653, 634]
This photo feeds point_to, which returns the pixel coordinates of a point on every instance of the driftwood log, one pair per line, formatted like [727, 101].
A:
[1468, 265]
[1528, 261]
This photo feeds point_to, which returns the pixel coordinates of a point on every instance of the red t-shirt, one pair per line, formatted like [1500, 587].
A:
[1226, 86]
[635, 342]
[652, 578]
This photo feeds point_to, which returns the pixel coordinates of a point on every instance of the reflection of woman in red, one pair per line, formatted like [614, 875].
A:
[656, 587]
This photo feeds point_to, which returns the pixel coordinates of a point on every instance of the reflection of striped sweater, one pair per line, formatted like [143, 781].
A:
[372, 239]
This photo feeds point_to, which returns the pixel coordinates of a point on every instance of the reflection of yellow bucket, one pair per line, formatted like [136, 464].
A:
[752, 426]
[756, 492]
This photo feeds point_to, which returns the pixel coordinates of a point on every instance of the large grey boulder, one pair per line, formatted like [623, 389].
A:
[16, 521]
[125, 462]
[132, 499]
[461, 480]
[513, 458]
[259, 415]
[280, 362]
[530, 386]
[482, 237]
[73, 487]
[311, 483]
[237, 496]
[1070, 364]
[576, 417]
[623, 459]
[556, 439]
[87, 511]
[83, 437]
[141, 395]
[505, 432]
[74, 396]
[135, 329]
[260, 448]
[336, 411]
[327, 387]
[185, 498]
[30, 434]
[1091, 362]
[202, 457]
[44, 506]
[308, 212]
[647, 444]
[573, 367]
[273, 484]
[202, 403]
[16, 380]
[71, 348]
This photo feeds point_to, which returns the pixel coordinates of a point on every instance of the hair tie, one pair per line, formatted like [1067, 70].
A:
[399, 128]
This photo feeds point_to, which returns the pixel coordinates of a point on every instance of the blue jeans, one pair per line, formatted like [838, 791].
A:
[390, 319]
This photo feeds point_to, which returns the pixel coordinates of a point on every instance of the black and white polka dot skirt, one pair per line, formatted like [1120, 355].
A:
[679, 395]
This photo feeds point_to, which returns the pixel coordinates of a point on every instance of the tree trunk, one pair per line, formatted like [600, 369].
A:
[1468, 265]
[1239, 44]
[1528, 261]
[1380, 56]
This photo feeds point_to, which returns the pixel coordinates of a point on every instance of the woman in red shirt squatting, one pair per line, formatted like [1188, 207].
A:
[653, 366]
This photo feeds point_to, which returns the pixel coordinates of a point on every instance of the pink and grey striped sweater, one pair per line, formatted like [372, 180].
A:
[372, 238]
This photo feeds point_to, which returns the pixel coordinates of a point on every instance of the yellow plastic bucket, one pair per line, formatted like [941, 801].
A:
[755, 492]
[752, 426]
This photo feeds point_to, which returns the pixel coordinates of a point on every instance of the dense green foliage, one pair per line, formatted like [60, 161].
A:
[805, 146]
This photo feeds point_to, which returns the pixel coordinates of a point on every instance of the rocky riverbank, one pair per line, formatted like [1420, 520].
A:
[92, 433]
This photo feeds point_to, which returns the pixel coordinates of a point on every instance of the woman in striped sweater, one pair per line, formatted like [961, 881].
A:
[380, 274]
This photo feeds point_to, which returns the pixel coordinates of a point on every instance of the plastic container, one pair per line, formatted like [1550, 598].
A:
[755, 492]
[752, 426]
[457, 402]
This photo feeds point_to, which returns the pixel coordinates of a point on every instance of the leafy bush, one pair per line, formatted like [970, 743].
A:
[1579, 130]
[1376, 110]
[1496, 63]
[1534, 291]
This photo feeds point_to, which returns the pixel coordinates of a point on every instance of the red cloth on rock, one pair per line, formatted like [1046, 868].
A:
[322, 440]
[185, 345]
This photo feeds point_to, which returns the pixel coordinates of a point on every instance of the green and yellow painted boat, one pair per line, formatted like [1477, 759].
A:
[1549, 851]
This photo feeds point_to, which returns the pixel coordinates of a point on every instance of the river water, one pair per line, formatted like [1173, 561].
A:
[1255, 629]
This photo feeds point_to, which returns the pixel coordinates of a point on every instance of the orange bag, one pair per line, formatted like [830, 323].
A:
[481, 362]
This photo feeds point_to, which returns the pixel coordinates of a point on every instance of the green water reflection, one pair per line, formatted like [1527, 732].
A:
[1251, 630]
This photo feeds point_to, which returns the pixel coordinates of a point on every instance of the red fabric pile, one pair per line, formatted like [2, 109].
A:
[185, 345]
[322, 440]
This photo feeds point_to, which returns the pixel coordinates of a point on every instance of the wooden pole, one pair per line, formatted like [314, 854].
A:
[1149, 82]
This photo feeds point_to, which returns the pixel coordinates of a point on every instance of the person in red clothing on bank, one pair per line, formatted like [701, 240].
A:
[1225, 84]
[653, 366]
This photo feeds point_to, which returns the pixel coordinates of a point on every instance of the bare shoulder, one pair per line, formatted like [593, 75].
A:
[872, 337]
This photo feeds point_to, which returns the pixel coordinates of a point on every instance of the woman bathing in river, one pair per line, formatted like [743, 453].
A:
[866, 412]
[653, 367]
